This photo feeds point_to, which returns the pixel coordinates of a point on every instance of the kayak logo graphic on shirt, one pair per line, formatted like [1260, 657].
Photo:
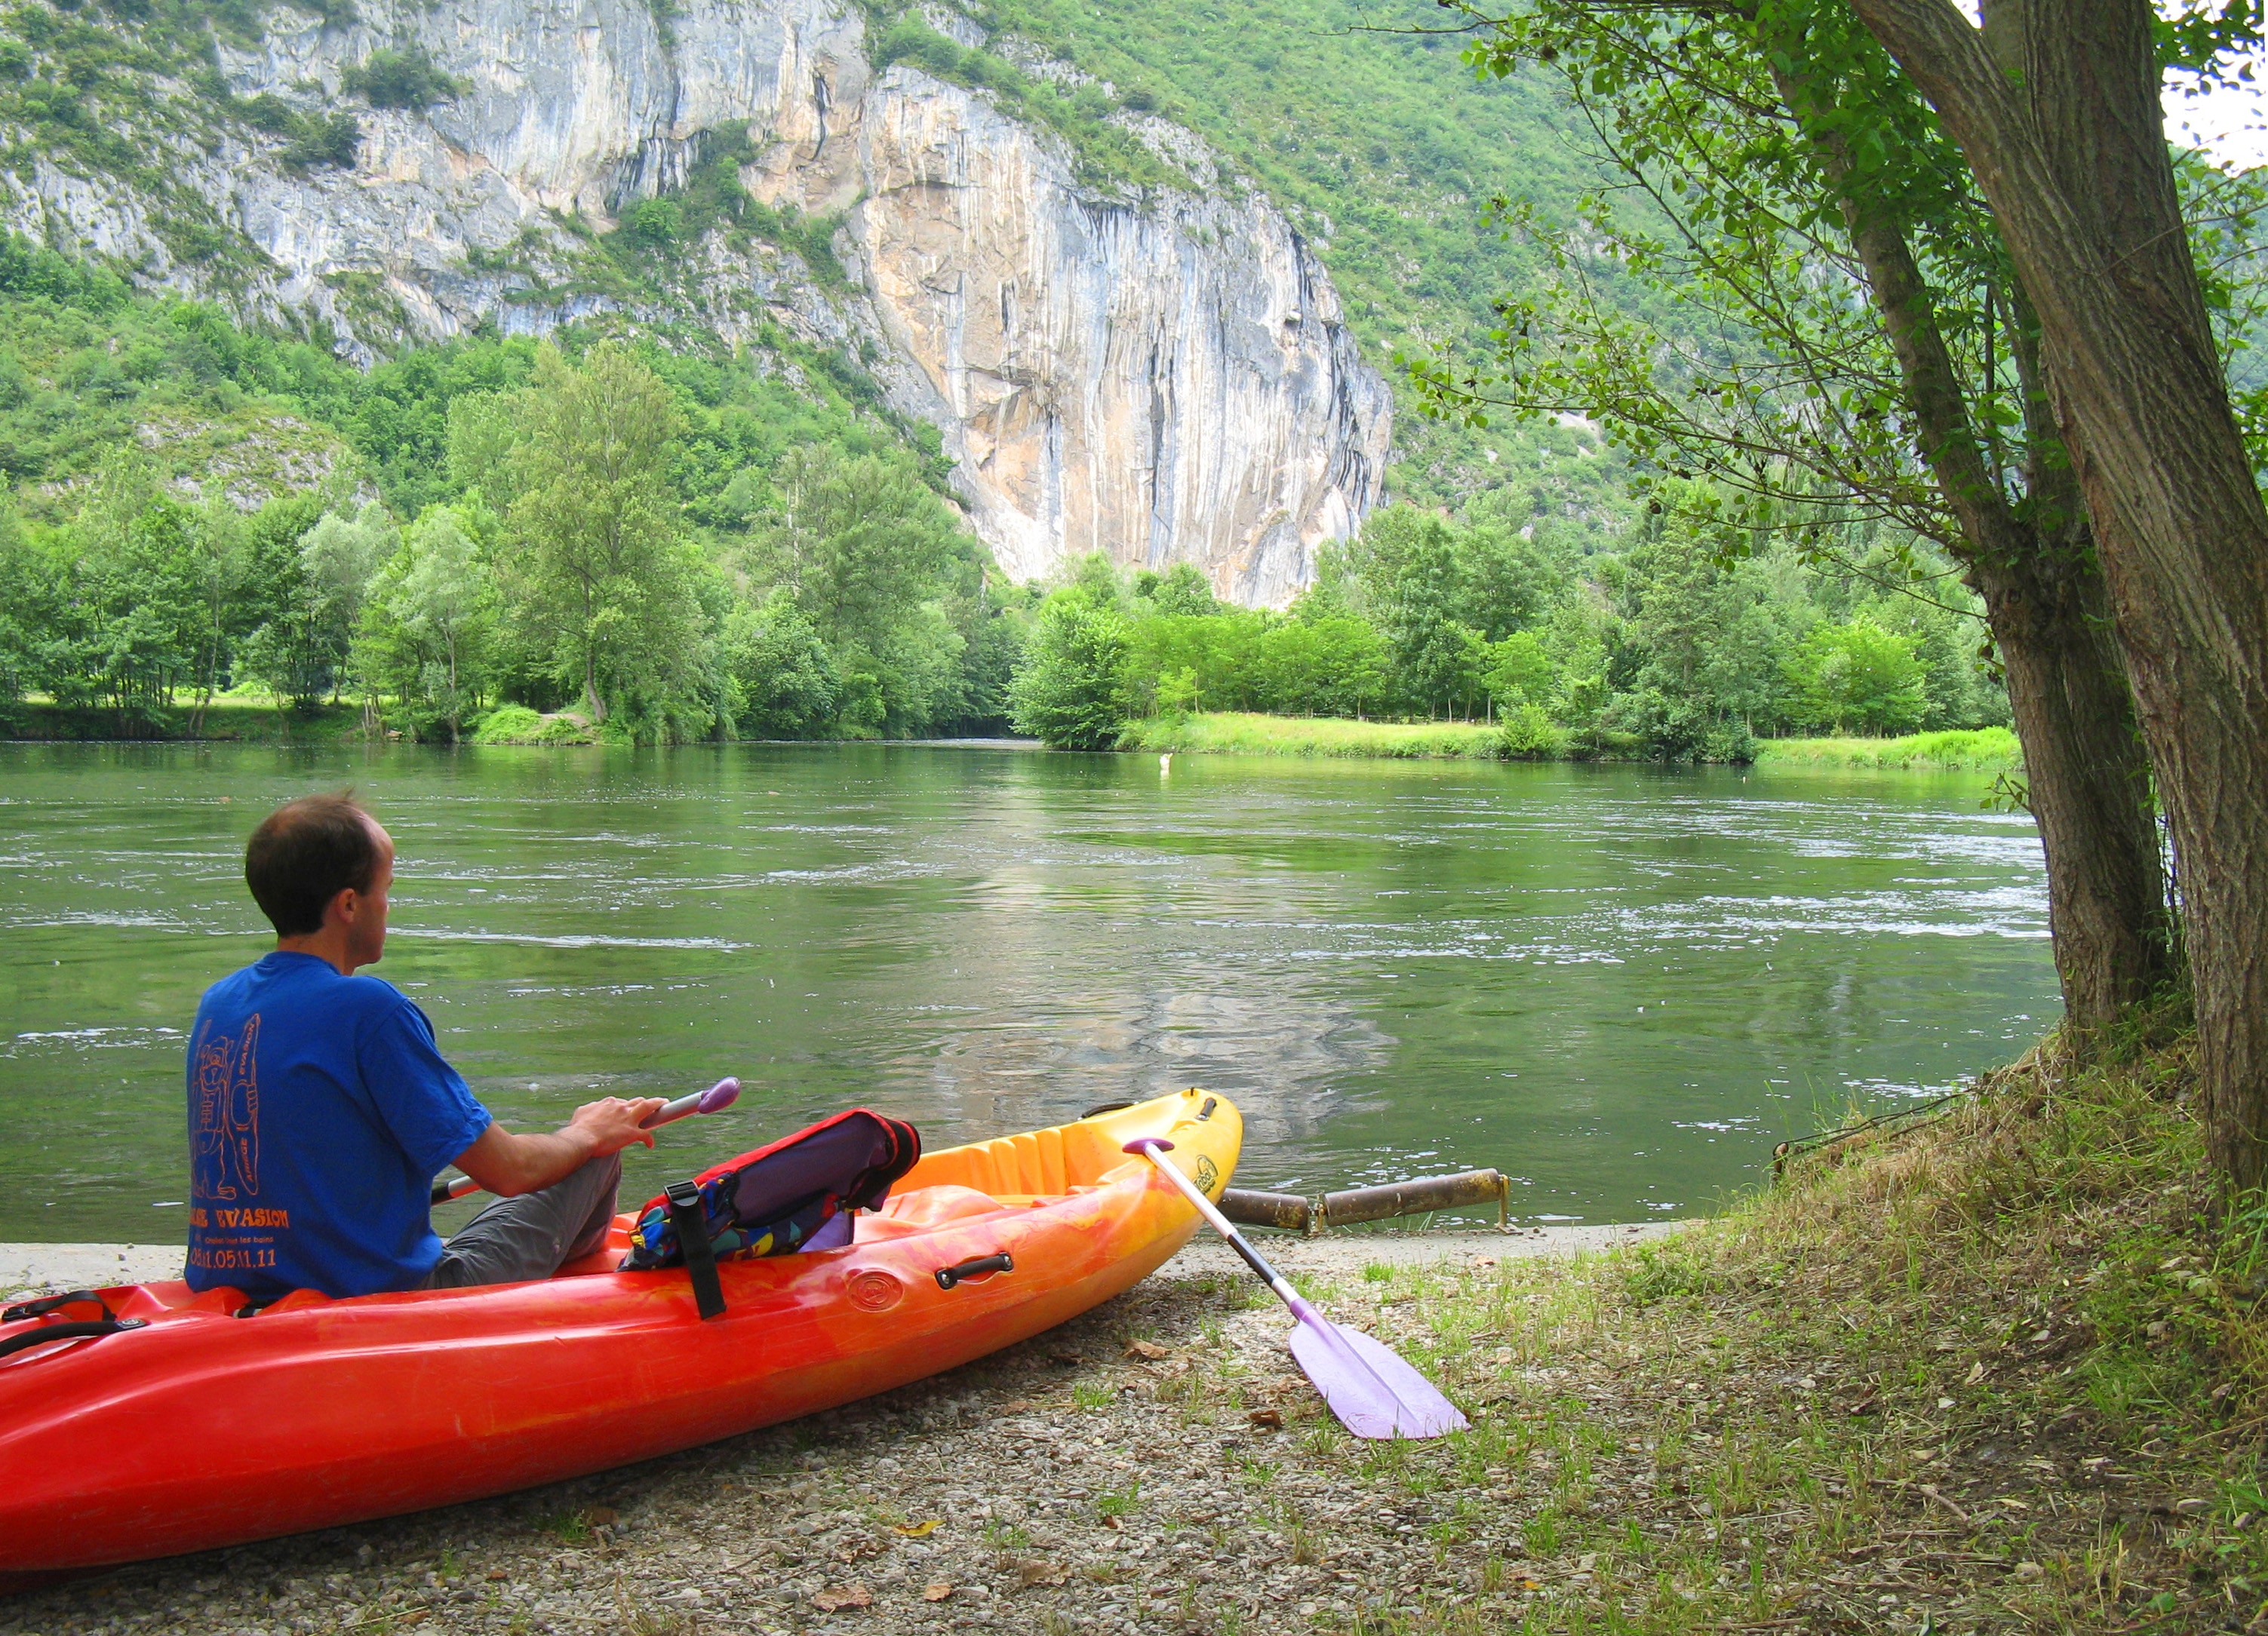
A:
[227, 1136]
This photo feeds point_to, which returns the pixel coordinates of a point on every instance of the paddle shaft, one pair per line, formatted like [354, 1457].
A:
[1222, 1225]
[713, 1100]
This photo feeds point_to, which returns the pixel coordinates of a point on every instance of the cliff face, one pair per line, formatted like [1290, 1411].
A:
[1164, 380]
[1164, 376]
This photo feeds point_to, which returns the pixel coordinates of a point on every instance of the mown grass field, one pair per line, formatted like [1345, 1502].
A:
[1985, 750]
[240, 718]
[1243, 733]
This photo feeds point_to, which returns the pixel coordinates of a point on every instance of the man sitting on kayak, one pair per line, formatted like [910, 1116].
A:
[320, 1108]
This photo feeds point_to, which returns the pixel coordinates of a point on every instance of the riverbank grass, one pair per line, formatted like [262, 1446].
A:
[237, 718]
[1233, 732]
[1228, 732]
[2001, 1371]
[1982, 749]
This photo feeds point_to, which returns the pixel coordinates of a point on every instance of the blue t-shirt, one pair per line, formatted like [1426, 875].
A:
[319, 1112]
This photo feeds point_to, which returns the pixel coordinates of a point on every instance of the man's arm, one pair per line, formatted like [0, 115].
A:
[509, 1165]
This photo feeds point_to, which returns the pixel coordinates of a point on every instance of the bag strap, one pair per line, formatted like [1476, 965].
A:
[691, 1221]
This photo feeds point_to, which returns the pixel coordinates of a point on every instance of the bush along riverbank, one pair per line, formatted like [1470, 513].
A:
[2003, 1370]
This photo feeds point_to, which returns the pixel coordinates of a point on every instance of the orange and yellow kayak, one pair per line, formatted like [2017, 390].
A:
[200, 1428]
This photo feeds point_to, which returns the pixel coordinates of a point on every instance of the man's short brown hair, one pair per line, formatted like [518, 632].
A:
[307, 852]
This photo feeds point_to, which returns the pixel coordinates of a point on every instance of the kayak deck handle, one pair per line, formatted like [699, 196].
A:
[93, 1329]
[949, 1276]
[76, 1329]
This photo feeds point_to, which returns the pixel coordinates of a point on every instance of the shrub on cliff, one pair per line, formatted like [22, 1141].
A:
[388, 78]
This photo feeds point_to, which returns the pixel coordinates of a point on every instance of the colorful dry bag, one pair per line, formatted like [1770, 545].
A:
[775, 1201]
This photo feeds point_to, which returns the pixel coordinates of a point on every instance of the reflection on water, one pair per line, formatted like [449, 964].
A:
[1620, 985]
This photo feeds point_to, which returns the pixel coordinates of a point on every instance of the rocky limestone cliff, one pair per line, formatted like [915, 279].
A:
[1163, 376]
[1165, 379]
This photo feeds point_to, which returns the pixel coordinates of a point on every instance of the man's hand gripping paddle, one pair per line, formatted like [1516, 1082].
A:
[716, 1099]
[1373, 1391]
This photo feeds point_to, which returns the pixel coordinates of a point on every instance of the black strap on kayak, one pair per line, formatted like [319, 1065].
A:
[40, 1334]
[692, 1224]
[45, 1332]
[46, 1304]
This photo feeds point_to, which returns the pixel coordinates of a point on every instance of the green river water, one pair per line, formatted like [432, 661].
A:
[1619, 985]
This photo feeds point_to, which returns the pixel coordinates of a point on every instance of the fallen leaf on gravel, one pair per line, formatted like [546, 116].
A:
[1149, 1349]
[938, 1592]
[922, 1529]
[1267, 1420]
[834, 1598]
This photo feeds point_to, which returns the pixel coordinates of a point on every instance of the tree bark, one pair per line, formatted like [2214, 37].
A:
[2045, 605]
[2069, 149]
[2088, 777]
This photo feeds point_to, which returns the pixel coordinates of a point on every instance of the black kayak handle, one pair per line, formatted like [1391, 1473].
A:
[948, 1276]
[45, 1305]
[90, 1329]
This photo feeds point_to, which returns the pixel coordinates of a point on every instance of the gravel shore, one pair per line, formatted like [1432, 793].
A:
[1159, 1463]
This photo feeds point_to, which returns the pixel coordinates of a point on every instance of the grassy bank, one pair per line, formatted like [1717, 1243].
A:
[1998, 1372]
[1985, 750]
[237, 720]
[1240, 733]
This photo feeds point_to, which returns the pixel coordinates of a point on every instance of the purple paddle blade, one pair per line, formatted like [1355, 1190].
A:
[1373, 1391]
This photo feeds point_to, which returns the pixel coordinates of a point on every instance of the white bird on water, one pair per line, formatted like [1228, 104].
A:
[1165, 766]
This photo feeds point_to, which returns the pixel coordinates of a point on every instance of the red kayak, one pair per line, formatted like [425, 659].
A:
[190, 1427]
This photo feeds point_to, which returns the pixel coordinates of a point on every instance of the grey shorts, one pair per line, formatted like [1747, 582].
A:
[535, 1235]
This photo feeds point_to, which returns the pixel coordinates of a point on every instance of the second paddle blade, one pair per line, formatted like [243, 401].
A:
[1373, 1391]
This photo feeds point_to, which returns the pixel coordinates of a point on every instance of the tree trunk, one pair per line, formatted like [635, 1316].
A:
[2089, 780]
[2070, 152]
[2044, 603]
